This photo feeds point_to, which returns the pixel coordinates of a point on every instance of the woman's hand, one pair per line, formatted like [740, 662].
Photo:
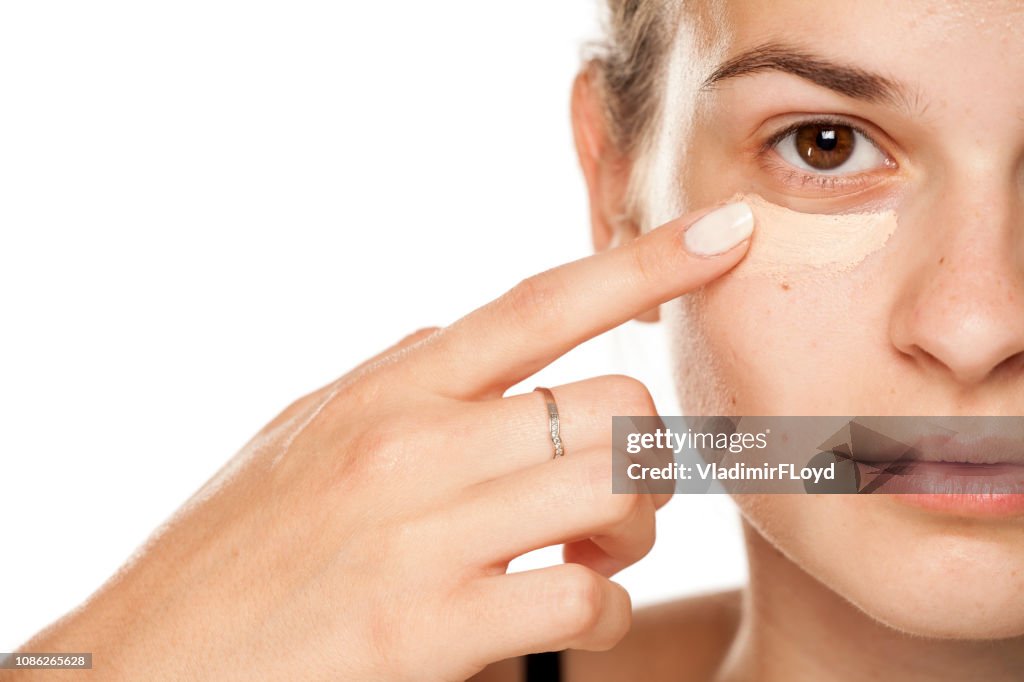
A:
[364, 533]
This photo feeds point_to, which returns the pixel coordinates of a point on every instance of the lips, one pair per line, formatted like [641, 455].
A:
[958, 448]
[970, 449]
[985, 490]
[972, 505]
[964, 464]
[944, 477]
[960, 473]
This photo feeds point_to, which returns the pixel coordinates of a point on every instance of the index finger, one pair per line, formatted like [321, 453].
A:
[544, 316]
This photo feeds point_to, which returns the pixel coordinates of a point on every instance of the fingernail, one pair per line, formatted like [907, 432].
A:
[720, 230]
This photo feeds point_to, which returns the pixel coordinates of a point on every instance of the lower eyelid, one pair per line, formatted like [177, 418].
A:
[797, 178]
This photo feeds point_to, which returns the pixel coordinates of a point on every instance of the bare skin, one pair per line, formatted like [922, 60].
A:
[361, 531]
[404, 539]
[848, 588]
[685, 639]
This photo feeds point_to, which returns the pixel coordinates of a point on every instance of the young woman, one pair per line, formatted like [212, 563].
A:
[824, 201]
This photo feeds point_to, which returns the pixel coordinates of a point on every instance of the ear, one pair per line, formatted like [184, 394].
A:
[605, 168]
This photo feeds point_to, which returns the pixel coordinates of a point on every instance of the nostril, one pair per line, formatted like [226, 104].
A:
[1010, 365]
[918, 354]
[967, 368]
[962, 321]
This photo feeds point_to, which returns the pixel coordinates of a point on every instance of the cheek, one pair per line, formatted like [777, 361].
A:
[799, 327]
[766, 346]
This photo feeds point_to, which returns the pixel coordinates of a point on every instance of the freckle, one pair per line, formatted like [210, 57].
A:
[942, 260]
[785, 286]
[732, 400]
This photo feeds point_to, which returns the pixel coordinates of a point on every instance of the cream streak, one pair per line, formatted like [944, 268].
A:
[787, 242]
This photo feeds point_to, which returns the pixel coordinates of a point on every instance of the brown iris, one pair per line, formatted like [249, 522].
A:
[824, 146]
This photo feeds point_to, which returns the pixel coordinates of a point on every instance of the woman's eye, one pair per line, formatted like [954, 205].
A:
[828, 148]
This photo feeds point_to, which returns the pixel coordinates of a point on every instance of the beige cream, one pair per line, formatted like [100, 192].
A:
[787, 242]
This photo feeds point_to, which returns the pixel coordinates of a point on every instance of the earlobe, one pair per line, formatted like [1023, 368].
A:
[605, 169]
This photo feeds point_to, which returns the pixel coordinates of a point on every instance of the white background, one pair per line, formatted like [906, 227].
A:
[210, 208]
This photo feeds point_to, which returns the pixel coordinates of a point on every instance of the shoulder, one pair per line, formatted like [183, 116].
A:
[686, 638]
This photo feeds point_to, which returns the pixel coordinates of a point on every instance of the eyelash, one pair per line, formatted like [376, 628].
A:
[800, 178]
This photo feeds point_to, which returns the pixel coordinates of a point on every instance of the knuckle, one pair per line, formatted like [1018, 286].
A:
[609, 508]
[360, 393]
[294, 410]
[631, 394]
[300, 416]
[380, 445]
[597, 474]
[647, 534]
[534, 303]
[649, 259]
[619, 622]
[423, 332]
[417, 336]
[620, 508]
[579, 600]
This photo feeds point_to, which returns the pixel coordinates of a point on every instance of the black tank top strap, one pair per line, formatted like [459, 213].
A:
[545, 667]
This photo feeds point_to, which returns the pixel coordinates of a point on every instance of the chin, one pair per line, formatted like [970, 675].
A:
[924, 573]
[950, 587]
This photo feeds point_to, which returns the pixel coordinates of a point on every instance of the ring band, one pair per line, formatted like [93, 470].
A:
[554, 425]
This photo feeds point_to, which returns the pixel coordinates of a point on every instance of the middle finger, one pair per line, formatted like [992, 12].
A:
[563, 500]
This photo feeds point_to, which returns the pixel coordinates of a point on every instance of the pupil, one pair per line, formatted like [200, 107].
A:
[825, 147]
[827, 139]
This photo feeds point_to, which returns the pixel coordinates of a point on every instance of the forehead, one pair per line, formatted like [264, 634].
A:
[829, 19]
[959, 59]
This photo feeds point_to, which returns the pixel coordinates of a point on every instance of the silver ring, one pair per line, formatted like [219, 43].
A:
[554, 425]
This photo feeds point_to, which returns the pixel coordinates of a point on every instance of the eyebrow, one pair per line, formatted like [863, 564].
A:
[847, 80]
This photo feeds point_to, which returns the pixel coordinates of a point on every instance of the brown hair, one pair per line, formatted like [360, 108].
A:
[629, 63]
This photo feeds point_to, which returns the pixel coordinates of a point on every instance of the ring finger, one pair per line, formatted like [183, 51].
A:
[514, 431]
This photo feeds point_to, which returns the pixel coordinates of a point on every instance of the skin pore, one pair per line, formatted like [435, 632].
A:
[909, 300]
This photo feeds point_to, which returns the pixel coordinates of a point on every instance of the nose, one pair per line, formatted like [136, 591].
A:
[961, 313]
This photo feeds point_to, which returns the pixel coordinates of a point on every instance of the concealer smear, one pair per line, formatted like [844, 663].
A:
[787, 242]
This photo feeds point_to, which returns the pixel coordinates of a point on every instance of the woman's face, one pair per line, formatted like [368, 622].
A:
[925, 101]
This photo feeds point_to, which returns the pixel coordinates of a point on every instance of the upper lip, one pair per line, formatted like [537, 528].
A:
[968, 449]
[875, 445]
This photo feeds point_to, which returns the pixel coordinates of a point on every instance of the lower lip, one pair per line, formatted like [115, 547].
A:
[966, 504]
[984, 490]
